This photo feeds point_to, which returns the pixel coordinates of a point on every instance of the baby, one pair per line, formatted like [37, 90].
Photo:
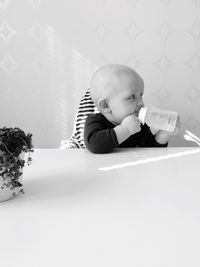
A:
[117, 92]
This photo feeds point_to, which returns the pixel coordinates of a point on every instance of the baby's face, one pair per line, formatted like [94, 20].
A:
[127, 99]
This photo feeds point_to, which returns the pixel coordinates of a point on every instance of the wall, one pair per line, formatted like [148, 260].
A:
[50, 48]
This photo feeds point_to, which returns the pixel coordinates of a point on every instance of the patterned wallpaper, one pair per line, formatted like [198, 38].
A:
[50, 48]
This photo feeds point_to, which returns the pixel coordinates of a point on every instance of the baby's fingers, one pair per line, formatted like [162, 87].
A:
[153, 131]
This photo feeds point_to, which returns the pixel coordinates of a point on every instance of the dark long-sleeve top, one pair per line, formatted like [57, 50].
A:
[100, 136]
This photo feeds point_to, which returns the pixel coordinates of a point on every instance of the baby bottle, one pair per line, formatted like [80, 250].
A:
[158, 119]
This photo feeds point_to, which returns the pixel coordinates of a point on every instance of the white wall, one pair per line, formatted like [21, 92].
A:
[50, 48]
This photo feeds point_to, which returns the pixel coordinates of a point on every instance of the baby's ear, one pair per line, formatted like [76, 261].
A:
[103, 105]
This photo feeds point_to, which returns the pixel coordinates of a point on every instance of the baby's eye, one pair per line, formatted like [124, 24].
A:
[132, 97]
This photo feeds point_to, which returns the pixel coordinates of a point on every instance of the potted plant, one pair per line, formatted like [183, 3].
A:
[14, 143]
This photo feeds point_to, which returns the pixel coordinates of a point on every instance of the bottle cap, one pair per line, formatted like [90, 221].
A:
[142, 114]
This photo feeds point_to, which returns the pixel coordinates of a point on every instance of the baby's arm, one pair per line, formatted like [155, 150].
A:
[97, 136]
[101, 139]
[130, 125]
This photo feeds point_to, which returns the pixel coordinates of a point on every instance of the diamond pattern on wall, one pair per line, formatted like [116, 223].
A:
[197, 3]
[194, 63]
[163, 63]
[8, 64]
[164, 31]
[4, 3]
[193, 94]
[36, 3]
[6, 32]
[194, 30]
[102, 2]
[134, 62]
[102, 31]
[162, 94]
[132, 31]
[132, 3]
[165, 2]
[36, 31]
[38, 39]
[12, 95]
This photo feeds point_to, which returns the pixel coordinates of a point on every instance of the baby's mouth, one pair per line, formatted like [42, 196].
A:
[136, 113]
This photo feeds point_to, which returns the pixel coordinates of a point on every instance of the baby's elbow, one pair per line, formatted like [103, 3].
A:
[97, 144]
[98, 149]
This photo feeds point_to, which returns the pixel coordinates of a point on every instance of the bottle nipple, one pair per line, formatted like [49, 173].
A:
[142, 114]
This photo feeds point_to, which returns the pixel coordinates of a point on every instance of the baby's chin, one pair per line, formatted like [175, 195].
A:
[115, 121]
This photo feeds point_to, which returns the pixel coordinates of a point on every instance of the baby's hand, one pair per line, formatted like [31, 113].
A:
[163, 137]
[154, 131]
[132, 123]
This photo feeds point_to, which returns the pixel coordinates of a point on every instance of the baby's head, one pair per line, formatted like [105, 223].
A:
[117, 91]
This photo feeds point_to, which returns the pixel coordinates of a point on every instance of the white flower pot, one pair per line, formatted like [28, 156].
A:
[7, 192]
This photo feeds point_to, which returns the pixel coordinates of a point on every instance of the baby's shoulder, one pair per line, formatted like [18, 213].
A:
[95, 116]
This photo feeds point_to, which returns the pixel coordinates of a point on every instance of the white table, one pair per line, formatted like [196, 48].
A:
[134, 207]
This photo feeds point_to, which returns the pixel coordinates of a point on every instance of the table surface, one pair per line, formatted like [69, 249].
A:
[134, 207]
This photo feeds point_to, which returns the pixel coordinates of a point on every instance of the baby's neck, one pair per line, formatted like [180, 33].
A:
[110, 119]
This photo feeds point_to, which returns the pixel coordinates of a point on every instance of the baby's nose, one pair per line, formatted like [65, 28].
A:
[137, 110]
[141, 103]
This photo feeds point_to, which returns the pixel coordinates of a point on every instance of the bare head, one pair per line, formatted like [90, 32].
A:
[117, 91]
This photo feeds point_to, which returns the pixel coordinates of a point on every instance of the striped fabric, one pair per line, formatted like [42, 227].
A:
[85, 108]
